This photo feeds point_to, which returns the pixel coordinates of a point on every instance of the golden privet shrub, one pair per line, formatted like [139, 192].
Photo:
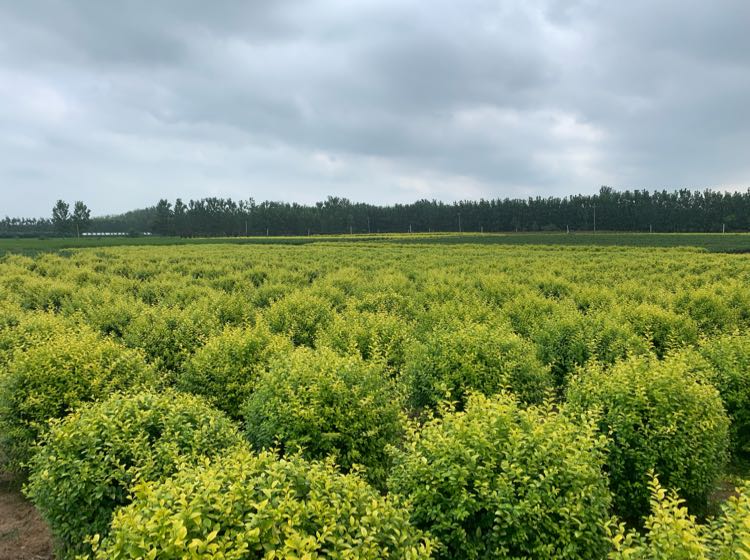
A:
[455, 360]
[300, 316]
[88, 462]
[246, 506]
[498, 481]
[728, 370]
[327, 406]
[671, 533]
[54, 377]
[657, 418]
[226, 369]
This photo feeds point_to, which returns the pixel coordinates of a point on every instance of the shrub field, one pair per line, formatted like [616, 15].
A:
[380, 399]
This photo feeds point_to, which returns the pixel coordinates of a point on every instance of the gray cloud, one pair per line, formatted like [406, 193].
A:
[383, 101]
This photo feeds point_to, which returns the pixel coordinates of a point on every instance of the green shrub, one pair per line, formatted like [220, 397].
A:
[474, 357]
[564, 341]
[169, 335]
[671, 533]
[709, 310]
[730, 531]
[226, 369]
[657, 417]
[51, 379]
[299, 316]
[22, 331]
[255, 506]
[375, 336]
[729, 371]
[497, 481]
[326, 405]
[87, 463]
[665, 330]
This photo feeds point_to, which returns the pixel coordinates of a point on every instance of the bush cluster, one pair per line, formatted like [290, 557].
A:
[658, 418]
[88, 463]
[226, 369]
[256, 506]
[53, 378]
[498, 481]
[450, 363]
[326, 405]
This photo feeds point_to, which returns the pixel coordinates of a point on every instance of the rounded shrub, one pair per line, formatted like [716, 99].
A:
[327, 406]
[474, 357]
[375, 336]
[670, 532]
[728, 370]
[51, 379]
[226, 369]
[299, 316]
[658, 418]
[665, 330]
[498, 481]
[169, 335]
[88, 462]
[247, 506]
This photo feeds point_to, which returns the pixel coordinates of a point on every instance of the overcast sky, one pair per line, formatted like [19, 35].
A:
[121, 103]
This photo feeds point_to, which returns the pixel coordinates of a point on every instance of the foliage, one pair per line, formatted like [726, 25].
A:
[50, 379]
[376, 336]
[226, 369]
[299, 316]
[88, 463]
[169, 335]
[327, 406]
[256, 506]
[671, 533]
[728, 359]
[657, 418]
[474, 357]
[502, 482]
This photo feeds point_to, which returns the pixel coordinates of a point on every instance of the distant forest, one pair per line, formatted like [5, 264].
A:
[608, 210]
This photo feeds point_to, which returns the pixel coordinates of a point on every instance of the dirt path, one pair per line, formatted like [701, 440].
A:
[23, 533]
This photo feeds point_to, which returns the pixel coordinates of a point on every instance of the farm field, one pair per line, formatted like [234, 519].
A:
[714, 242]
[429, 396]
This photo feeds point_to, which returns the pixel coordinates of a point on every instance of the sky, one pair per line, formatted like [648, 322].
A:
[120, 104]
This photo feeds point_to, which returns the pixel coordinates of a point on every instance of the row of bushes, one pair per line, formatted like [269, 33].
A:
[327, 403]
[165, 475]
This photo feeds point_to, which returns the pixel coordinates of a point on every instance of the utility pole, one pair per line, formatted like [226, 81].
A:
[245, 228]
[723, 228]
[459, 222]
[594, 218]
[409, 228]
[368, 224]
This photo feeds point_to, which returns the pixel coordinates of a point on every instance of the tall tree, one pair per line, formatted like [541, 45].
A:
[81, 218]
[163, 220]
[61, 217]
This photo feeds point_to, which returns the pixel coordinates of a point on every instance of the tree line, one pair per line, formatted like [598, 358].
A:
[608, 210]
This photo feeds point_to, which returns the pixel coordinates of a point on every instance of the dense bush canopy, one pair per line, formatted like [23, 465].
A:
[326, 406]
[497, 481]
[658, 418]
[87, 464]
[257, 506]
[54, 377]
[474, 357]
[363, 354]
[226, 368]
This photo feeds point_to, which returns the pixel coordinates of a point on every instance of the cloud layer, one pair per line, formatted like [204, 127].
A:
[380, 101]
